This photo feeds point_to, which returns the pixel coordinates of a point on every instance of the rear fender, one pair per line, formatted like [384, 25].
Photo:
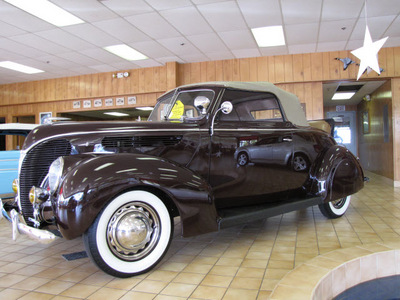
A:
[90, 182]
[337, 175]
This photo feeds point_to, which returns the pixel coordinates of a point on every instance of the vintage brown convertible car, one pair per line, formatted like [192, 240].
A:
[120, 184]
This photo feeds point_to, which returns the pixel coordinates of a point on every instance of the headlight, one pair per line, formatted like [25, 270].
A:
[55, 172]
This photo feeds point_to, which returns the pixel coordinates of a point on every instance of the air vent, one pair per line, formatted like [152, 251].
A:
[140, 141]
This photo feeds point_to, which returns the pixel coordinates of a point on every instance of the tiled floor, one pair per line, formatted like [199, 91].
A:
[243, 262]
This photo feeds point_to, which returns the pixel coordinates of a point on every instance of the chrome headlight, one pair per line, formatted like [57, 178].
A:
[55, 172]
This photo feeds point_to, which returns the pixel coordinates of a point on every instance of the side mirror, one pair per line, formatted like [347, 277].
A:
[202, 103]
[226, 108]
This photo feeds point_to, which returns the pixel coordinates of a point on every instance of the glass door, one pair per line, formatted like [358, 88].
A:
[345, 129]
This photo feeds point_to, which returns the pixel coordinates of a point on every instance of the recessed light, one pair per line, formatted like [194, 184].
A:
[20, 68]
[47, 11]
[125, 52]
[269, 36]
[116, 114]
[343, 95]
[145, 108]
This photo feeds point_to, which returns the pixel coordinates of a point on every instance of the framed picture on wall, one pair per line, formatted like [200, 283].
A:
[365, 121]
[44, 116]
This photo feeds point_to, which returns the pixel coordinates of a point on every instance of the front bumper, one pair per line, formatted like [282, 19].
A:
[18, 227]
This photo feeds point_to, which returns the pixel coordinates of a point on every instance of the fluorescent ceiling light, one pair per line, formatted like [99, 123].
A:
[125, 52]
[116, 114]
[269, 36]
[145, 108]
[20, 68]
[343, 95]
[47, 11]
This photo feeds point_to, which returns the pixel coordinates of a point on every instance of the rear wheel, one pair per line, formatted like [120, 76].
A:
[335, 209]
[131, 234]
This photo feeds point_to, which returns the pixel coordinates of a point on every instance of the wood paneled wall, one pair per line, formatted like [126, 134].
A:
[396, 129]
[375, 154]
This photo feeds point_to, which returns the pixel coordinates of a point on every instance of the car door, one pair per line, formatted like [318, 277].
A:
[254, 130]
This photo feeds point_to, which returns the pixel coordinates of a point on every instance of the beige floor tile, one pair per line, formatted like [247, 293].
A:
[11, 294]
[80, 290]
[217, 280]
[179, 289]
[240, 294]
[107, 293]
[54, 287]
[208, 292]
[138, 295]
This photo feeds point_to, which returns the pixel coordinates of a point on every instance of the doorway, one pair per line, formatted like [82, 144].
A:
[345, 129]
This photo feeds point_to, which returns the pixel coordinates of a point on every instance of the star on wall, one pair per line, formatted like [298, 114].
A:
[368, 53]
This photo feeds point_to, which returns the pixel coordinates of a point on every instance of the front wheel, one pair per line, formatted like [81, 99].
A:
[335, 209]
[130, 235]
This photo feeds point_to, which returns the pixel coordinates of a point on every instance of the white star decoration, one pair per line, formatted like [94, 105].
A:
[368, 54]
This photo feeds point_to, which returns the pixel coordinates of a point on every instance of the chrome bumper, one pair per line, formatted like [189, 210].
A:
[40, 235]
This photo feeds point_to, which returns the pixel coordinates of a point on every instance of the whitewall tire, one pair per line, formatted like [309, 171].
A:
[335, 209]
[130, 235]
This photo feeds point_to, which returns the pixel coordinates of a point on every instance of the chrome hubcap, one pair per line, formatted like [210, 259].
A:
[242, 160]
[133, 231]
[339, 203]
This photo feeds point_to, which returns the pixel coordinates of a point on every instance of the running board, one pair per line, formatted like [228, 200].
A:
[239, 215]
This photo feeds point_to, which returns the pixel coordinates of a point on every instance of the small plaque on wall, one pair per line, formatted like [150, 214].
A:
[97, 102]
[340, 108]
[131, 100]
[109, 102]
[87, 103]
[120, 101]
[76, 104]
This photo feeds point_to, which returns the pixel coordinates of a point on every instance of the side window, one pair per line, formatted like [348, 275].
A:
[252, 106]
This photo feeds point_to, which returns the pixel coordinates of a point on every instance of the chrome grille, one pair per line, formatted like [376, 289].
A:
[35, 168]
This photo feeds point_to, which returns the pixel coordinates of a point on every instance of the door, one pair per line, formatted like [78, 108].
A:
[345, 129]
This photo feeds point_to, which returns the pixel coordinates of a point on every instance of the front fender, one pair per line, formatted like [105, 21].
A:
[337, 174]
[90, 181]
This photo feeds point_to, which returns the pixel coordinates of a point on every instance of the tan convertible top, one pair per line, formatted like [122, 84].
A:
[290, 103]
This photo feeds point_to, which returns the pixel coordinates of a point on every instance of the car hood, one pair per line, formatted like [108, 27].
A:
[89, 133]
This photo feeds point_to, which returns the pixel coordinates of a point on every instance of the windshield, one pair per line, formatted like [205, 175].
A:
[181, 106]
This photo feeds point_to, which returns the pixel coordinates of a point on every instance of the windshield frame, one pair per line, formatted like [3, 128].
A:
[170, 99]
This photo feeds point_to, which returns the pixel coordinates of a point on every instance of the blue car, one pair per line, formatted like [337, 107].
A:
[9, 159]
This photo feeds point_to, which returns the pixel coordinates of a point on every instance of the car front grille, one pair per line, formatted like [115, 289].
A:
[35, 168]
[140, 141]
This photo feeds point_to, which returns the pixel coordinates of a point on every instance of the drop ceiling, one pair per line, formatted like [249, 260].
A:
[184, 31]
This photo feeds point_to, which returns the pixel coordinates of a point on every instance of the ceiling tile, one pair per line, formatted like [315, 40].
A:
[20, 19]
[153, 25]
[193, 57]
[151, 49]
[79, 58]
[220, 55]
[92, 34]
[209, 42]
[224, 16]
[37, 42]
[66, 39]
[103, 68]
[179, 46]
[301, 34]
[331, 31]
[394, 29]
[147, 63]
[243, 53]
[242, 39]
[126, 8]
[341, 9]
[88, 10]
[170, 4]
[331, 46]
[381, 8]
[166, 59]
[278, 50]
[122, 30]
[18, 48]
[187, 20]
[304, 48]
[9, 30]
[260, 13]
[101, 55]
[301, 12]
[377, 27]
